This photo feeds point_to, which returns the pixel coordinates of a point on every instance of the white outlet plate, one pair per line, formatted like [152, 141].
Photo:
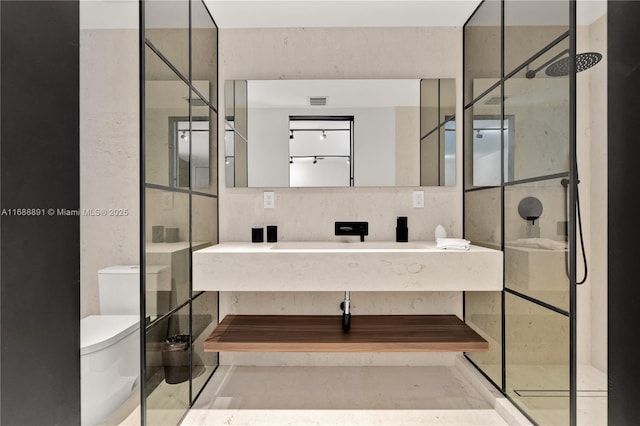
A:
[418, 199]
[269, 200]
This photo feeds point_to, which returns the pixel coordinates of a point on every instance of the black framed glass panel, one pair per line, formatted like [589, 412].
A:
[166, 246]
[529, 26]
[483, 216]
[204, 320]
[204, 221]
[168, 360]
[482, 49]
[204, 52]
[166, 135]
[167, 28]
[483, 313]
[535, 241]
[539, 107]
[180, 205]
[203, 145]
[537, 360]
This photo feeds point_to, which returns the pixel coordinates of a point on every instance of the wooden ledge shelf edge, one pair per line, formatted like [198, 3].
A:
[323, 333]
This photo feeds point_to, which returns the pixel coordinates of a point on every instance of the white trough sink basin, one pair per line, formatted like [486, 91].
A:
[348, 246]
[340, 266]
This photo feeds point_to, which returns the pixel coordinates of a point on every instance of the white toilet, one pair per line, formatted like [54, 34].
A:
[110, 345]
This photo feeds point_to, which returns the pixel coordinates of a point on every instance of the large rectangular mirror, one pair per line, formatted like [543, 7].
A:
[331, 133]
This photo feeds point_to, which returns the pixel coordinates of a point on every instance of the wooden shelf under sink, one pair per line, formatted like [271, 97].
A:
[323, 333]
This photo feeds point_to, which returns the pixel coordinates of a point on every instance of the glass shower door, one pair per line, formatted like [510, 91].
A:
[517, 199]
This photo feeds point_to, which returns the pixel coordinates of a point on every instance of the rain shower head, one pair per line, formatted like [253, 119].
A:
[560, 67]
[584, 61]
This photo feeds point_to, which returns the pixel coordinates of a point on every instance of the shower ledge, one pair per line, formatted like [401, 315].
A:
[340, 266]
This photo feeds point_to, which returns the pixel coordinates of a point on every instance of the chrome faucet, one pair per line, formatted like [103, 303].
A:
[349, 228]
[346, 312]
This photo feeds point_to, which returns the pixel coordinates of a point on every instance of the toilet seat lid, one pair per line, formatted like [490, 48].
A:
[99, 331]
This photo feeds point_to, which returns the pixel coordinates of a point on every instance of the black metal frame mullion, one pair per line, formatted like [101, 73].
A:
[538, 302]
[166, 60]
[573, 194]
[142, 249]
[165, 188]
[191, 119]
[217, 174]
[503, 298]
[439, 141]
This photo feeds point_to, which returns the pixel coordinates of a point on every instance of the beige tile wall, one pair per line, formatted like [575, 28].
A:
[109, 154]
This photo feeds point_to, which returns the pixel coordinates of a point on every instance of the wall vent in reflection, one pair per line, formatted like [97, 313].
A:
[197, 102]
[495, 100]
[317, 100]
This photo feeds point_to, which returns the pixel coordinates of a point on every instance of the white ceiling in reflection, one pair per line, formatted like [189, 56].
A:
[112, 14]
[368, 93]
[336, 13]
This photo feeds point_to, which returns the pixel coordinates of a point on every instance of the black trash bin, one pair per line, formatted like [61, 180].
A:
[175, 358]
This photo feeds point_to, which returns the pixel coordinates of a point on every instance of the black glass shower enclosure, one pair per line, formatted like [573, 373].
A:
[520, 186]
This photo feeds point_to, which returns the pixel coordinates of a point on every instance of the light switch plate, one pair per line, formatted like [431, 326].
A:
[269, 200]
[418, 199]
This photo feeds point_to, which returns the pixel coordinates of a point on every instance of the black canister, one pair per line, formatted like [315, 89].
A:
[402, 232]
[272, 234]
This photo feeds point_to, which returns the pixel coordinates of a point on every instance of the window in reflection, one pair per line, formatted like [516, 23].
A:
[487, 150]
[230, 154]
[189, 138]
[320, 151]
[449, 129]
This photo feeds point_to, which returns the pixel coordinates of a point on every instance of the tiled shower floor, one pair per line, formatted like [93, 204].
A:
[300, 396]
[420, 395]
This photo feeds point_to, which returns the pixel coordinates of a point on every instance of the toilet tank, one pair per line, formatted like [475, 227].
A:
[119, 290]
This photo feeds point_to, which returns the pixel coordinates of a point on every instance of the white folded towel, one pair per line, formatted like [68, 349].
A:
[452, 243]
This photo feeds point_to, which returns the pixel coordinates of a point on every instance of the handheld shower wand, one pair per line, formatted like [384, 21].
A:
[565, 184]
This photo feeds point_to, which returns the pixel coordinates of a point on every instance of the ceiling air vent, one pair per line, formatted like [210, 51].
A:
[494, 100]
[317, 100]
[197, 102]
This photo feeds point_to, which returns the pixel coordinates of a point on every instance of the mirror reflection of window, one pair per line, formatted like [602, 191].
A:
[183, 167]
[437, 132]
[320, 151]
[450, 153]
[486, 150]
[230, 154]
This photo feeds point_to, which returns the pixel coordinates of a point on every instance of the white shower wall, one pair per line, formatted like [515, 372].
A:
[592, 167]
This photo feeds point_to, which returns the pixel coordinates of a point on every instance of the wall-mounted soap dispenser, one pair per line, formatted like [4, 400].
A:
[402, 232]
